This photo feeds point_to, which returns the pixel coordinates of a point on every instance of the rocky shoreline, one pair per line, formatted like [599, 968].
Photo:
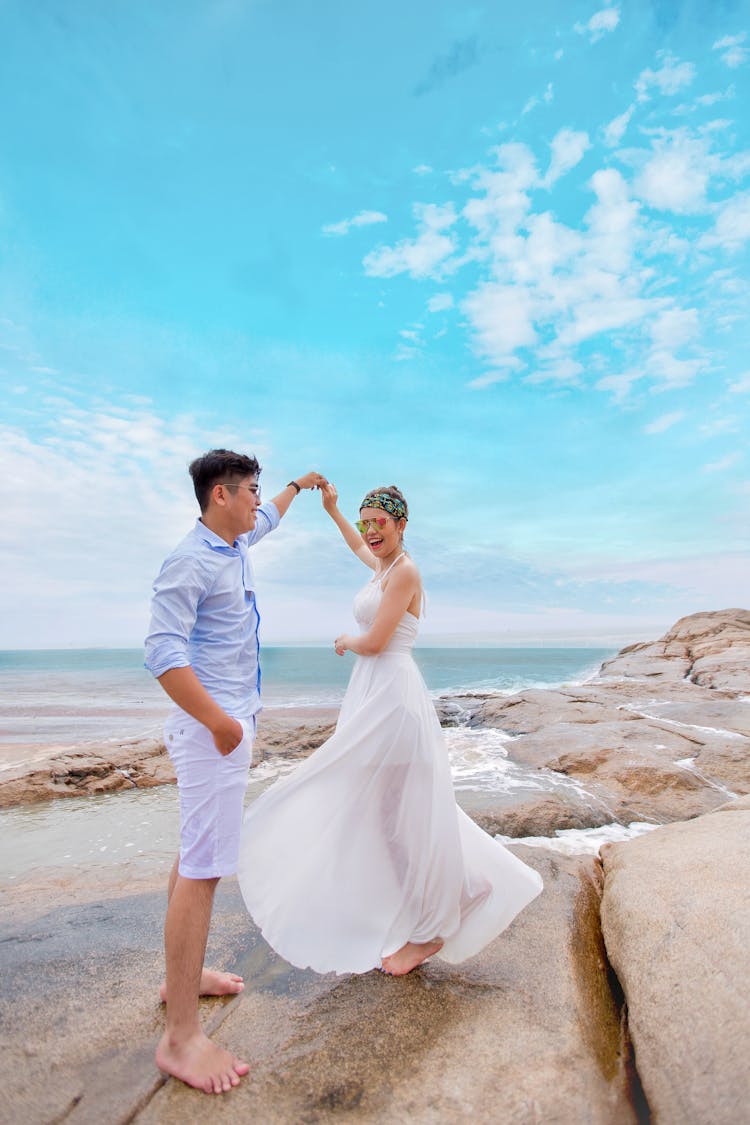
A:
[620, 995]
[661, 733]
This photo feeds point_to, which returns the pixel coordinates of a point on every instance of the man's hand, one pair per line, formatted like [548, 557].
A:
[228, 734]
[311, 480]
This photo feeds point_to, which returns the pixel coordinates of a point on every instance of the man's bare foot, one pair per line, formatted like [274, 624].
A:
[213, 983]
[200, 1063]
[409, 956]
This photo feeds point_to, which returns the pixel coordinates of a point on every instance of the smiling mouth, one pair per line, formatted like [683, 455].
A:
[374, 544]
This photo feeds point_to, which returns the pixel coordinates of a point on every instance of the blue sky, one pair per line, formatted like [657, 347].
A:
[497, 257]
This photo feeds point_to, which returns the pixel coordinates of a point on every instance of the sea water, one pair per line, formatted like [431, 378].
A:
[70, 697]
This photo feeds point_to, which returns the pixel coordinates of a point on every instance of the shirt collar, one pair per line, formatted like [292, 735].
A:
[214, 541]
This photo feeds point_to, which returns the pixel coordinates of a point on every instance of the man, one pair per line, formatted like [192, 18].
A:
[203, 648]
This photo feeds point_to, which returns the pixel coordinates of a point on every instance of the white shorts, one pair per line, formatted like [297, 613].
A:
[212, 789]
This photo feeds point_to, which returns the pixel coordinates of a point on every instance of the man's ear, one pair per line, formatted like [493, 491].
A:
[219, 496]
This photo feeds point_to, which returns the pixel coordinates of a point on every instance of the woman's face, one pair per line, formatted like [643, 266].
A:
[382, 533]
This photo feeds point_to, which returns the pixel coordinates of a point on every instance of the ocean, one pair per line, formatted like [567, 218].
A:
[73, 696]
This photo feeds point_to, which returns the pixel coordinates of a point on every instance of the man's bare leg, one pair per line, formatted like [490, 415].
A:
[185, 1051]
[213, 981]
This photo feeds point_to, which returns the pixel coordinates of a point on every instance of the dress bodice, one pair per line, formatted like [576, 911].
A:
[366, 604]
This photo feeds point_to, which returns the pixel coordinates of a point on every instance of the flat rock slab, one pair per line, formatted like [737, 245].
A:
[676, 921]
[528, 1031]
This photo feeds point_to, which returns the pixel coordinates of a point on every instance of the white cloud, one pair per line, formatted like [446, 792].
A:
[721, 426]
[568, 148]
[619, 385]
[723, 464]
[489, 379]
[664, 422]
[440, 302]
[419, 257]
[676, 177]
[503, 198]
[612, 222]
[113, 496]
[565, 371]
[671, 371]
[742, 386]
[675, 327]
[363, 219]
[422, 170]
[615, 130]
[603, 21]
[732, 226]
[734, 53]
[671, 77]
[717, 96]
[502, 320]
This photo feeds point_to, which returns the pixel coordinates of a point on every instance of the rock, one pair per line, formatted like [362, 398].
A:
[294, 734]
[526, 1031]
[537, 708]
[711, 649]
[538, 816]
[138, 764]
[676, 922]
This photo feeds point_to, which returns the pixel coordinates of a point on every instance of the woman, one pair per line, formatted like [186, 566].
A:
[360, 858]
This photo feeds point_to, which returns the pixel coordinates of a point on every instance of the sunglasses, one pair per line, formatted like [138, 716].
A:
[379, 522]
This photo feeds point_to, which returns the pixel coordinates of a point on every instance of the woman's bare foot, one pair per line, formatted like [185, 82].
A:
[213, 983]
[200, 1063]
[409, 956]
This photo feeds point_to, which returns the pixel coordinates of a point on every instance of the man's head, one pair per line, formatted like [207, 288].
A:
[221, 466]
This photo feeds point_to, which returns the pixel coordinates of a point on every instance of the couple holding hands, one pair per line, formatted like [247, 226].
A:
[358, 859]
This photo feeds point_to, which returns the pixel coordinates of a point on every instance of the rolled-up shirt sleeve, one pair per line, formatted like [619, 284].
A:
[177, 594]
[267, 519]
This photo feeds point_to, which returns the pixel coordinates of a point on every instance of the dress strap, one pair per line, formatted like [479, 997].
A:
[379, 577]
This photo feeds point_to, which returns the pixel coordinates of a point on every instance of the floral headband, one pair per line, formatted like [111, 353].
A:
[390, 504]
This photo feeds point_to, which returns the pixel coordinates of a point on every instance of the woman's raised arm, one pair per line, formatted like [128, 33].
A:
[350, 535]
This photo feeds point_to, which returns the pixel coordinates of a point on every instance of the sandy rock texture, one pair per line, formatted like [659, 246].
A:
[529, 1031]
[676, 922]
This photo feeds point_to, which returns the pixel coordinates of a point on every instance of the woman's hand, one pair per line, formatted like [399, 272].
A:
[329, 496]
[342, 644]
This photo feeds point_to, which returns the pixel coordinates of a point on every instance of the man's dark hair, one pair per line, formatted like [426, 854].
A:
[219, 465]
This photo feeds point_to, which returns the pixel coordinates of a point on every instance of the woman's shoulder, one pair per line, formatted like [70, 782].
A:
[408, 568]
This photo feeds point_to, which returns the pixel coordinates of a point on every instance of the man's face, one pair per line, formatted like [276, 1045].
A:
[242, 498]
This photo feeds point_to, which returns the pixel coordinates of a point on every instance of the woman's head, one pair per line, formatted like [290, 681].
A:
[382, 519]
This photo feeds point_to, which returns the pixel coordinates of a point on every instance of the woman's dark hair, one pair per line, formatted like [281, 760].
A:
[216, 466]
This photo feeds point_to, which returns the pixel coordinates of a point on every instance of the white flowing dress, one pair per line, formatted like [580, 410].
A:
[362, 847]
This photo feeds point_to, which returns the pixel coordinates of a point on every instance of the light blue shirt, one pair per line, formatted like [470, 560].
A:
[204, 616]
